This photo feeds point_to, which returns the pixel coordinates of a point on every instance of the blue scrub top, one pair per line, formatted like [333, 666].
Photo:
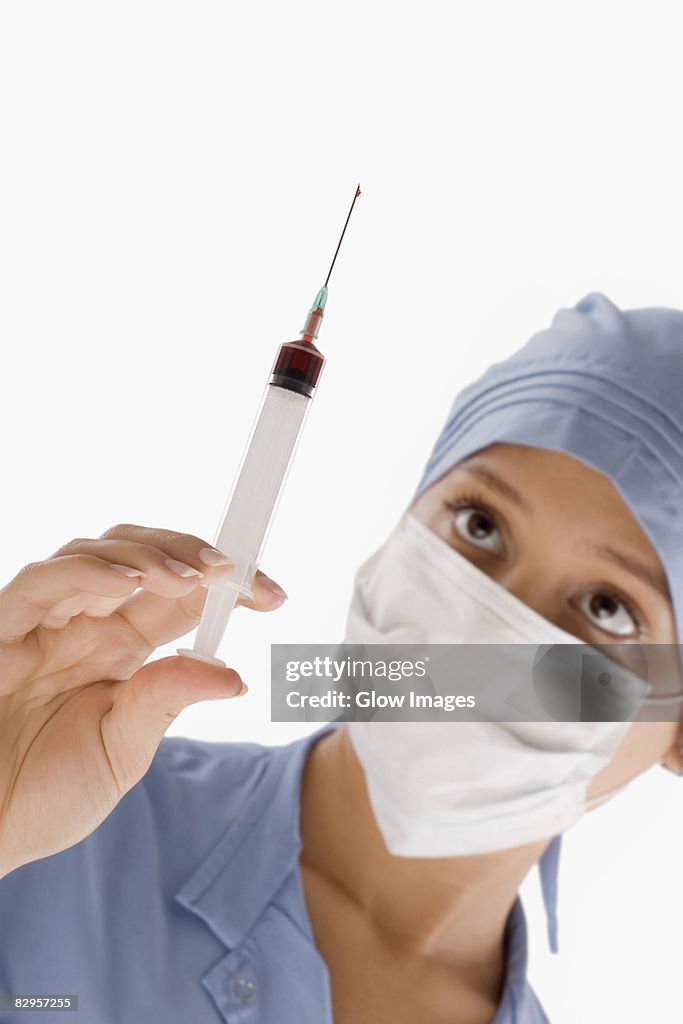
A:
[186, 903]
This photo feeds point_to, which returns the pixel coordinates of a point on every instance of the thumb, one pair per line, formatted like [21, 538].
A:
[149, 701]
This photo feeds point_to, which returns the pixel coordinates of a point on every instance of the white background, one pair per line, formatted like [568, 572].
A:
[173, 180]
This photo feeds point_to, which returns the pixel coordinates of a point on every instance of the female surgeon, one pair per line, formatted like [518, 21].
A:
[369, 873]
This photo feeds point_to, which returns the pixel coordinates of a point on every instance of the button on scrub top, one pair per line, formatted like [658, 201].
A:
[186, 906]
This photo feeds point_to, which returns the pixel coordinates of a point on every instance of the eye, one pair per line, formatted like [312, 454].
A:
[609, 613]
[478, 527]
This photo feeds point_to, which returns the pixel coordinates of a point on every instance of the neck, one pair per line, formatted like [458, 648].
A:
[451, 910]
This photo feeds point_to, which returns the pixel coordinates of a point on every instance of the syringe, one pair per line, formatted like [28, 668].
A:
[261, 476]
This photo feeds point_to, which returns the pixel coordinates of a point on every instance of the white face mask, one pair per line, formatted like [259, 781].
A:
[442, 789]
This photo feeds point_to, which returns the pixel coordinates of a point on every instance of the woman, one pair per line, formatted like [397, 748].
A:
[366, 873]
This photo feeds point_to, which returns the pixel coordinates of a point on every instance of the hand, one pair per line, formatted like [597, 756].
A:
[81, 715]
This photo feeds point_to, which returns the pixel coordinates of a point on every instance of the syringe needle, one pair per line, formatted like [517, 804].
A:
[309, 333]
[342, 234]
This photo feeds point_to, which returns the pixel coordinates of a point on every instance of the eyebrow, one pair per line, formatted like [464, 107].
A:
[497, 483]
[647, 573]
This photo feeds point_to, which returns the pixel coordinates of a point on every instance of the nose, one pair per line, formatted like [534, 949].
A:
[530, 582]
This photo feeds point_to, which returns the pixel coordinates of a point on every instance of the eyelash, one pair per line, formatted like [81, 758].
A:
[465, 500]
[473, 500]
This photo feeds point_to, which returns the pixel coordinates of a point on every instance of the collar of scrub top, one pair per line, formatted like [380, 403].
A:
[603, 385]
[253, 917]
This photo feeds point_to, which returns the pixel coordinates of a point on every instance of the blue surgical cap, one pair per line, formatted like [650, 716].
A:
[604, 385]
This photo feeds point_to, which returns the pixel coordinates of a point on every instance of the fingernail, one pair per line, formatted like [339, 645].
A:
[274, 587]
[180, 569]
[126, 570]
[211, 556]
[241, 693]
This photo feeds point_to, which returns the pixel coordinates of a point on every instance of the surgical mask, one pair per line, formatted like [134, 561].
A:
[440, 789]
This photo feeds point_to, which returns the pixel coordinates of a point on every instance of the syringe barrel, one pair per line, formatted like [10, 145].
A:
[251, 505]
[216, 613]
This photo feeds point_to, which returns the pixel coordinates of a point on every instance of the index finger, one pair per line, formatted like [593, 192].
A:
[159, 620]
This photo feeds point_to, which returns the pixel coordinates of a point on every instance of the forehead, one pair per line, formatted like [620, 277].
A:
[536, 465]
[537, 470]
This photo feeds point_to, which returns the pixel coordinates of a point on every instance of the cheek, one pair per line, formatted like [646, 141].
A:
[644, 745]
